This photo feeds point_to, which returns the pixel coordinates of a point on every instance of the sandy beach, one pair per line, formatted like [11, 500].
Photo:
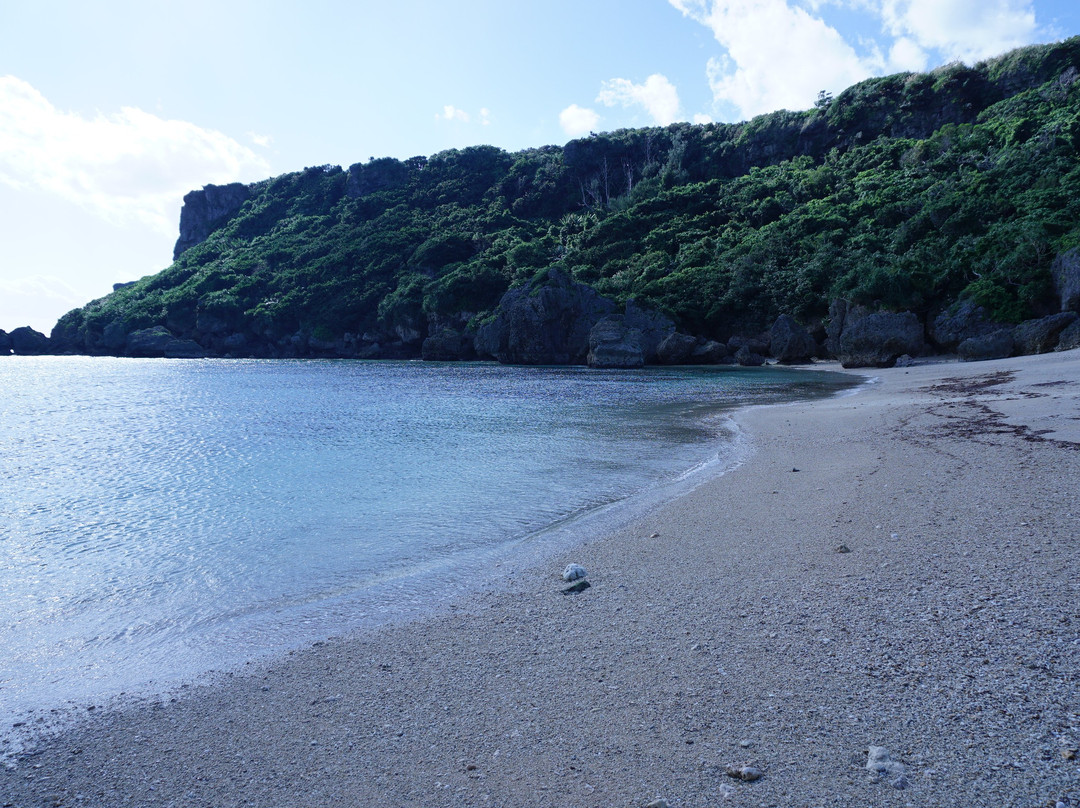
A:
[895, 570]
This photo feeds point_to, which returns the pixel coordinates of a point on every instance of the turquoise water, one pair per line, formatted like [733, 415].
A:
[162, 518]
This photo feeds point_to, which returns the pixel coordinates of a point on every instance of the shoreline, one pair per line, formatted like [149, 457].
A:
[948, 635]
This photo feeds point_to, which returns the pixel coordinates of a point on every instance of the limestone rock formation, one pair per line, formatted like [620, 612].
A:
[613, 344]
[676, 349]
[1066, 273]
[545, 324]
[959, 322]
[876, 340]
[1041, 335]
[25, 341]
[206, 210]
[149, 341]
[997, 345]
[789, 342]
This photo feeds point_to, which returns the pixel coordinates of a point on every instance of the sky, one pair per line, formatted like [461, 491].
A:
[111, 111]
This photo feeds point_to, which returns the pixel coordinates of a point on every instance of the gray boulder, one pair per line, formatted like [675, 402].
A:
[789, 342]
[676, 349]
[1066, 273]
[756, 345]
[149, 341]
[546, 323]
[1041, 335]
[748, 358]
[997, 345]
[25, 341]
[5, 342]
[1069, 338]
[612, 344]
[447, 345]
[114, 336]
[876, 340]
[959, 322]
[842, 313]
[711, 352]
[205, 211]
[183, 349]
[653, 327]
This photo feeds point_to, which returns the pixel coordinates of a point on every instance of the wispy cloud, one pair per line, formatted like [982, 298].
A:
[577, 121]
[968, 30]
[657, 96]
[452, 113]
[128, 166]
[778, 54]
[262, 141]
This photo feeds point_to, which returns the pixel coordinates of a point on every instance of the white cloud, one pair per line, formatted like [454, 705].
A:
[906, 55]
[702, 118]
[263, 141]
[577, 121]
[968, 30]
[657, 95]
[780, 53]
[777, 56]
[485, 116]
[452, 113]
[130, 166]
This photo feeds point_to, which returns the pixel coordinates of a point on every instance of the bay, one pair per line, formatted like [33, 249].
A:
[161, 519]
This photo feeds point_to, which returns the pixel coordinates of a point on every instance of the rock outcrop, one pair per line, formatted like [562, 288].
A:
[446, 345]
[960, 322]
[876, 340]
[614, 344]
[205, 211]
[1066, 273]
[789, 342]
[544, 324]
[1069, 338]
[5, 343]
[676, 349]
[997, 345]
[147, 342]
[1041, 335]
[746, 357]
[710, 352]
[25, 341]
[842, 313]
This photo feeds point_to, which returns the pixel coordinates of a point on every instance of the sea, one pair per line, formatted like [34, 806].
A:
[161, 520]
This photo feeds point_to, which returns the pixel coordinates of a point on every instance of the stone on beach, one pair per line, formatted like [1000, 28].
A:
[880, 762]
[744, 772]
[573, 572]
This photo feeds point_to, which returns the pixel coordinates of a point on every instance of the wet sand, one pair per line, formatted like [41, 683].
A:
[899, 569]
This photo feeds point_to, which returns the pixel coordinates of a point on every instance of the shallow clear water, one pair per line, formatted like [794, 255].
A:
[162, 518]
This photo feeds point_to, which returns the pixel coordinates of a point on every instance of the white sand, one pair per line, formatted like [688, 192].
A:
[949, 635]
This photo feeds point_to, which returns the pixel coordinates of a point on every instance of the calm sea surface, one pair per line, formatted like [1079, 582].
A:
[159, 518]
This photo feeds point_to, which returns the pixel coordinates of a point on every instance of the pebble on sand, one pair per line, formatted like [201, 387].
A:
[880, 763]
[745, 773]
[573, 572]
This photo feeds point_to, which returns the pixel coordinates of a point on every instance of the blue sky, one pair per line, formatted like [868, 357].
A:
[111, 111]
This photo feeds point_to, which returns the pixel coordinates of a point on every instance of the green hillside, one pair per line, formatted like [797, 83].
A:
[906, 192]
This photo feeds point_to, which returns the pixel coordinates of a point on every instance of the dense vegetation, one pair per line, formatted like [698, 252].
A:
[903, 192]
